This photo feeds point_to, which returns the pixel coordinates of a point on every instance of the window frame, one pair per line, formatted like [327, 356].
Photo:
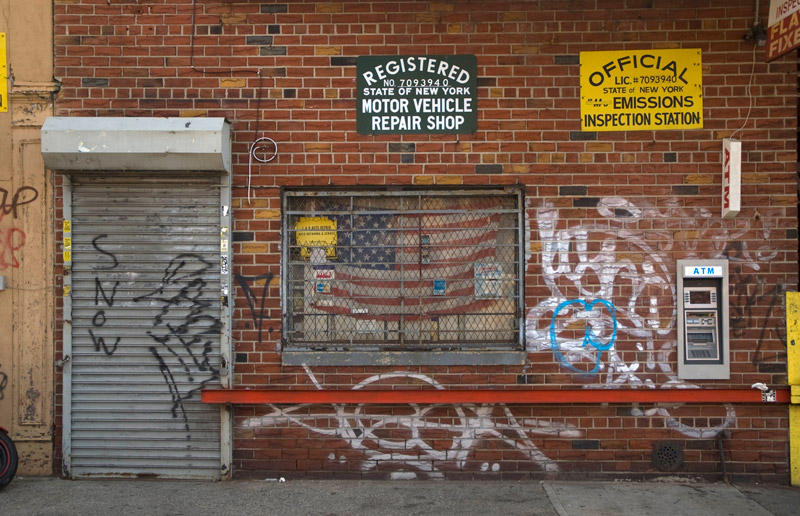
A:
[506, 354]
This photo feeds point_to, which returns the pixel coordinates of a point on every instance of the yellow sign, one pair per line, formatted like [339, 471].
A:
[3, 74]
[316, 232]
[637, 90]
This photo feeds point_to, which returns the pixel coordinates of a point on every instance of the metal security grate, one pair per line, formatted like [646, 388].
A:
[145, 328]
[404, 270]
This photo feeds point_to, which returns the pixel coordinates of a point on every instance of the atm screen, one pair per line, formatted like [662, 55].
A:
[705, 337]
[700, 297]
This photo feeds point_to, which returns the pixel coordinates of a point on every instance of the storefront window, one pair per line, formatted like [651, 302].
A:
[402, 271]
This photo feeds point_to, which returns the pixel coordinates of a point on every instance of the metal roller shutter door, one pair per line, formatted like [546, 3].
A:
[145, 328]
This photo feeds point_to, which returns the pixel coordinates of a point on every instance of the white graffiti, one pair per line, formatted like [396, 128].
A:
[411, 443]
[689, 431]
[612, 257]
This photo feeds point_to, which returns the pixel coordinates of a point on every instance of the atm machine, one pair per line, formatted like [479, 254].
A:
[703, 322]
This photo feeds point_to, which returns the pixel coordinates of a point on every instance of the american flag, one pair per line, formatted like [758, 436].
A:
[411, 266]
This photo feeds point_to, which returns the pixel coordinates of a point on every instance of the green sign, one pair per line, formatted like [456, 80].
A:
[417, 94]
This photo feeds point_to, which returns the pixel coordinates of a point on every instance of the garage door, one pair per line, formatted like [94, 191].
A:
[148, 283]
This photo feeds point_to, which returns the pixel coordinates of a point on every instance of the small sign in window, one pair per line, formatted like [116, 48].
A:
[316, 232]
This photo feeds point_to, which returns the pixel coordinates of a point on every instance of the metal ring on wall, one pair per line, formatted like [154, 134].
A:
[257, 145]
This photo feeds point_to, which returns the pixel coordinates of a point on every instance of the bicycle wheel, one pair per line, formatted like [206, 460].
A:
[8, 460]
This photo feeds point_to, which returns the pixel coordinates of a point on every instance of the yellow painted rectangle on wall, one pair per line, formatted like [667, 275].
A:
[793, 338]
[3, 74]
[637, 90]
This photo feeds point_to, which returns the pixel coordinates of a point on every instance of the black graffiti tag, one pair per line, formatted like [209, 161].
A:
[99, 319]
[256, 312]
[24, 195]
[749, 293]
[3, 383]
[184, 328]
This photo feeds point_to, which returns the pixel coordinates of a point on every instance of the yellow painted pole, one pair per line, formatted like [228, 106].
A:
[793, 366]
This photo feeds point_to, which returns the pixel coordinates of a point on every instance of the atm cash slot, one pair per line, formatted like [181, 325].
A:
[705, 319]
[701, 335]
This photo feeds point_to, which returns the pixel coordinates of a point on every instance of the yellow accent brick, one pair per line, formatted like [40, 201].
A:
[427, 18]
[252, 203]
[268, 214]
[449, 180]
[454, 28]
[233, 83]
[782, 200]
[330, 8]
[559, 157]
[463, 147]
[577, 325]
[629, 257]
[191, 113]
[488, 158]
[685, 235]
[318, 147]
[233, 19]
[600, 147]
[536, 247]
[543, 158]
[755, 178]
[699, 179]
[441, 7]
[629, 158]
[524, 49]
[273, 282]
[328, 51]
[586, 157]
[331, 93]
[496, 93]
[255, 248]
[516, 169]
[514, 16]
[423, 180]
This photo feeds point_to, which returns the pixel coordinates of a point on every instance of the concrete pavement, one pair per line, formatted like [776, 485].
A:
[51, 496]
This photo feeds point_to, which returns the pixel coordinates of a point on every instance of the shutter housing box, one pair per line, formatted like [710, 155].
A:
[114, 143]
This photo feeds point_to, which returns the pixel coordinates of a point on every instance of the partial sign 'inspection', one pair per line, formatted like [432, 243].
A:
[416, 94]
[633, 90]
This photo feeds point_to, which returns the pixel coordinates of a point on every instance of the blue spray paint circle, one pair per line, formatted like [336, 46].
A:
[589, 336]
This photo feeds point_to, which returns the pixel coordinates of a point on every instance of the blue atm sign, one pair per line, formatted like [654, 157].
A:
[702, 271]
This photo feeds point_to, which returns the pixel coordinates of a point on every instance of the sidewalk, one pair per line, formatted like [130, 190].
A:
[51, 496]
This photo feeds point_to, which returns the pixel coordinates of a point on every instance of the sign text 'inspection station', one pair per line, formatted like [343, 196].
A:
[416, 94]
[632, 90]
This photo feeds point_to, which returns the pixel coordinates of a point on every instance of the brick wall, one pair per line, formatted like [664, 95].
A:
[623, 205]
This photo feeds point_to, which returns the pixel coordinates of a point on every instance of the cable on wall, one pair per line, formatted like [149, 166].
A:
[749, 94]
[258, 143]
